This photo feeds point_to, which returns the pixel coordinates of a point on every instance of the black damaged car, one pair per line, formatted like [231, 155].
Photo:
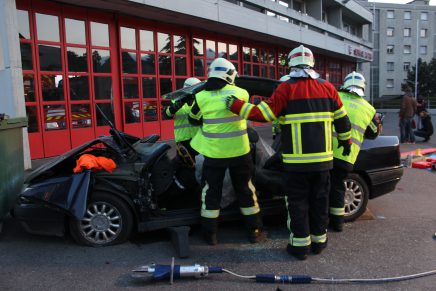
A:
[148, 190]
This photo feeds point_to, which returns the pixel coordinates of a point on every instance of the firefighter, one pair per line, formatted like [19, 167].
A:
[364, 124]
[306, 106]
[183, 130]
[223, 141]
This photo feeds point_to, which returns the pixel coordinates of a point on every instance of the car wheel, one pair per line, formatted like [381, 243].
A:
[356, 197]
[108, 221]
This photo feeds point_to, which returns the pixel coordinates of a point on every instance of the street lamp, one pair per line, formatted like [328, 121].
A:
[416, 61]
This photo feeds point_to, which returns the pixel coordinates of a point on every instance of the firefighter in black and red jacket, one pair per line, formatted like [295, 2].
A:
[307, 107]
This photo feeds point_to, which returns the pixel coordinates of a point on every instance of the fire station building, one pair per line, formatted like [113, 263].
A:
[61, 59]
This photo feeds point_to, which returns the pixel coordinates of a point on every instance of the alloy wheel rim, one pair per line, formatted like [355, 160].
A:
[353, 197]
[101, 224]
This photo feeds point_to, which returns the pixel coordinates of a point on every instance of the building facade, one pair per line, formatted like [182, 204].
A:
[402, 34]
[120, 56]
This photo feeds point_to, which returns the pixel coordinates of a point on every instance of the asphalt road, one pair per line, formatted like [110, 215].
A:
[396, 241]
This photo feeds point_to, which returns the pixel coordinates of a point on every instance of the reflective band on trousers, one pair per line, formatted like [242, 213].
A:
[355, 141]
[224, 134]
[221, 120]
[205, 212]
[255, 208]
[318, 238]
[337, 211]
[299, 241]
[303, 158]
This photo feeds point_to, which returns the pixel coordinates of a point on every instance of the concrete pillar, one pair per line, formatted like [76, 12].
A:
[11, 74]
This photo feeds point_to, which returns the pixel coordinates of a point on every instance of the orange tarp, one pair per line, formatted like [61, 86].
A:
[91, 162]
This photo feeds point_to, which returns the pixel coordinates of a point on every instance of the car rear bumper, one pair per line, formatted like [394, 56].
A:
[384, 181]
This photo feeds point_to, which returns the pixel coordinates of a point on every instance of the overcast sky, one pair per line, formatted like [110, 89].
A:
[432, 2]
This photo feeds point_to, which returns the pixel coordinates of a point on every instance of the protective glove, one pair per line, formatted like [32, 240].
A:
[175, 106]
[230, 100]
[347, 146]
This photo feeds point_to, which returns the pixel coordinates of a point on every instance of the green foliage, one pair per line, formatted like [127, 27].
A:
[426, 79]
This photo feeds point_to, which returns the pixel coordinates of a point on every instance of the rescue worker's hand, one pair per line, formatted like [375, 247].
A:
[175, 106]
[230, 100]
[347, 146]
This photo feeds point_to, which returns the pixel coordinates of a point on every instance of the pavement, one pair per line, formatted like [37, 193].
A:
[396, 240]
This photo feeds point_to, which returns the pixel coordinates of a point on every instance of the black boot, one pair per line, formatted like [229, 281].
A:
[254, 227]
[317, 248]
[336, 223]
[298, 252]
[209, 227]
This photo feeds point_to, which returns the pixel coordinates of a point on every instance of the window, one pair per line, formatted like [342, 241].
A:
[406, 66]
[390, 14]
[389, 83]
[390, 49]
[407, 15]
[390, 31]
[390, 66]
[423, 32]
[407, 49]
[407, 32]
[423, 50]
[424, 16]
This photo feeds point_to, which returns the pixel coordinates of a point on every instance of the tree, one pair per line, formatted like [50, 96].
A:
[426, 78]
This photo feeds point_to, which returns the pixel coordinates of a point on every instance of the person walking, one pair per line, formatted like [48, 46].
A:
[364, 124]
[407, 111]
[223, 141]
[426, 130]
[308, 106]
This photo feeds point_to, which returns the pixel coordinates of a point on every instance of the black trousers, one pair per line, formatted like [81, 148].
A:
[337, 191]
[422, 134]
[307, 201]
[241, 170]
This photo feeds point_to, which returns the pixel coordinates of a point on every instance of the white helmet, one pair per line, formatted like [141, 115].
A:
[354, 79]
[222, 69]
[301, 56]
[191, 82]
[284, 78]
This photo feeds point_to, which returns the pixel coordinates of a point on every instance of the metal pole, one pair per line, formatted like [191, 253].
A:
[417, 57]
[372, 62]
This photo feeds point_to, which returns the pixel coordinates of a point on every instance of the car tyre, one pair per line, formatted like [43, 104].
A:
[356, 197]
[108, 221]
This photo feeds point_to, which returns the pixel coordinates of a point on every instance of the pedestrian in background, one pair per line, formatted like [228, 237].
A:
[407, 112]
[308, 107]
[426, 130]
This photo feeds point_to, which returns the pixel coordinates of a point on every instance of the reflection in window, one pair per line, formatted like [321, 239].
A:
[103, 88]
[130, 87]
[148, 64]
[23, 24]
[164, 105]
[180, 66]
[100, 34]
[77, 59]
[150, 111]
[32, 119]
[255, 70]
[247, 69]
[233, 52]
[107, 110]
[26, 56]
[165, 86]
[179, 83]
[147, 40]
[132, 112]
[47, 27]
[29, 88]
[179, 43]
[54, 117]
[210, 49]
[163, 43]
[101, 61]
[129, 63]
[246, 53]
[128, 38]
[79, 87]
[50, 57]
[52, 87]
[198, 67]
[165, 65]
[272, 73]
[198, 47]
[81, 115]
[149, 87]
[222, 50]
[75, 31]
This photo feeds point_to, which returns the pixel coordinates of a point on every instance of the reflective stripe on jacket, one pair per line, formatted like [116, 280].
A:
[183, 130]
[360, 113]
[223, 133]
